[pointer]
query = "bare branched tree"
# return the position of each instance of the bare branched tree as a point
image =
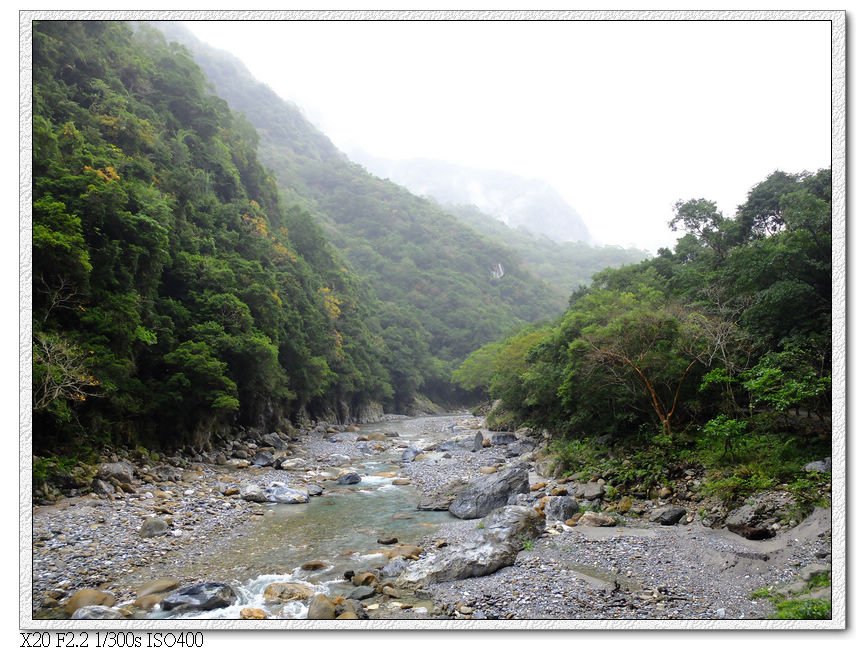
(61, 371)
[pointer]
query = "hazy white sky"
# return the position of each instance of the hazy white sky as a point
(623, 118)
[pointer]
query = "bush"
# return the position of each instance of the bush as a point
(807, 609)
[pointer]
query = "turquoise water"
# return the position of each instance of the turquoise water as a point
(339, 528)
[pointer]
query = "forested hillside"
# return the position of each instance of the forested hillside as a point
(519, 202)
(443, 284)
(174, 294)
(715, 354)
(565, 266)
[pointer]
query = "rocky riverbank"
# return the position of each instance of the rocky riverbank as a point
(518, 544)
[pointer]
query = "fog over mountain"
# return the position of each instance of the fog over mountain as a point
(517, 201)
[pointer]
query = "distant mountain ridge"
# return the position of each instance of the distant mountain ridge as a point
(515, 200)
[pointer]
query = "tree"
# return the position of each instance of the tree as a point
(650, 347)
(61, 375)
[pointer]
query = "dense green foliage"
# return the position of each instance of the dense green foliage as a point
(174, 295)
(435, 277)
(716, 353)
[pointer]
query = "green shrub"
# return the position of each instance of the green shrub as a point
(807, 609)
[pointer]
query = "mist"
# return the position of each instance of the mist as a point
(622, 119)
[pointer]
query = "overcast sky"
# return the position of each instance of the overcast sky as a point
(622, 118)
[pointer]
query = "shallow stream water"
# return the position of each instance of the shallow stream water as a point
(339, 528)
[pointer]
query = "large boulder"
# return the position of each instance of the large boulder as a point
(97, 613)
(756, 518)
(273, 440)
(520, 447)
(321, 608)
(263, 459)
(201, 597)
(590, 491)
(86, 598)
(503, 438)
(122, 472)
(562, 508)
(153, 527)
(467, 443)
(441, 499)
(282, 592)
(667, 516)
(596, 519)
(492, 547)
(167, 473)
(824, 465)
(349, 479)
(281, 494)
(253, 492)
(485, 494)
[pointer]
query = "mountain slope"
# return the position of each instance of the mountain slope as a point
(174, 295)
(438, 278)
(519, 202)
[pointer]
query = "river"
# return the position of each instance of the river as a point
(339, 528)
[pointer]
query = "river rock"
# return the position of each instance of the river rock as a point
(292, 464)
(203, 597)
(87, 597)
(562, 508)
(460, 442)
(102, 487)
(282, 494)
(320, 608)
(824, 465)
(502, 438)
(590, 518)
(387, 541)
(314, 565)
(393, 568)
(167, 473)
(592, 490)
(478, 443)
(485, 494)
(273, 440)
(97, 613)
(253, 492)
(122, 472)
(314, 490)
(282, 592)
(352, 609)
(349, 479)
(442, 498)
(668, 516)
(548, 467)
(361, 593)
(760, 512)
(364, 579)
(405, 550)
(153, 526)
(485, 551)
(148, 602)
(410, 454)
(263, 459)
(520, 447)
(157, 586)
(253, 614)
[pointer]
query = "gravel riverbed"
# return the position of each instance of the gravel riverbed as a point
(634, 570)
